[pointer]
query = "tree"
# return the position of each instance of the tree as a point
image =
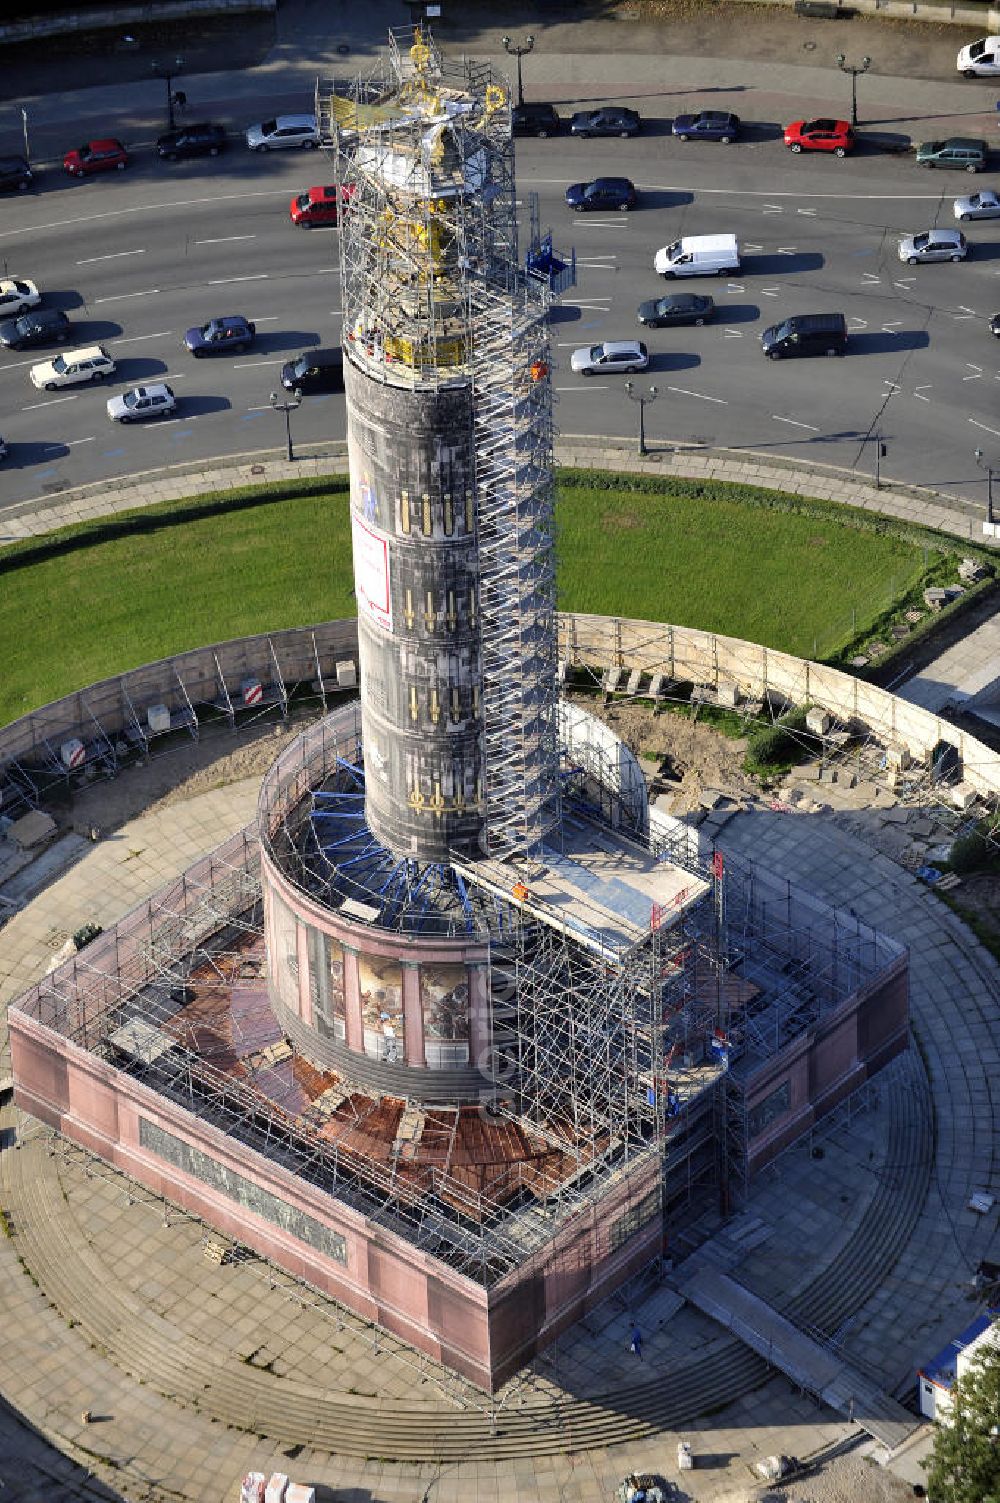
(964, 1466)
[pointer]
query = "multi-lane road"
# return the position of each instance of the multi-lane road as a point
(136, 257)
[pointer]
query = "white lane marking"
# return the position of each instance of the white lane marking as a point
(788, 250)
(119, 297)
(964, 312)
(918, 392)
(805, 211)
(52, 402)
(732, 333)
(248, 365)
(138, 338)
(892, 385)
(71, 443)
(736, 287)
(589, 307)
(225, 239)
(336, 313)
(869, 276)
(683, 391)
(594, 266)
(257, 276)
(890, 328)
(994, 431)
(779, 419)
(181, 203)
(555, 182)
(265, 408)
(268, 318)
(752, 248)
(587, 386)
(858, 323)
(770, 291)
(976, 370)
(773, 208)
(905, 284)
(114, 256)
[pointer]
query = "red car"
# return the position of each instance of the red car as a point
(318, 206)
(820, 135)
(96, 156)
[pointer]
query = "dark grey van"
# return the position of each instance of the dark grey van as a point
(806, 334)
(315, 370)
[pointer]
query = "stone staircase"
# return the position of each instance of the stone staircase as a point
(542, 1420)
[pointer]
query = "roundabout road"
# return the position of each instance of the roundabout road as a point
(138, 257)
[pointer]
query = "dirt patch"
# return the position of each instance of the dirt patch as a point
(685, 756)
(215, 760)
(621, 521)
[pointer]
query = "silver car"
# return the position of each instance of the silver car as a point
(283, 131)
(625, 355)
(142, 402)
(933, 245)
(982, 205)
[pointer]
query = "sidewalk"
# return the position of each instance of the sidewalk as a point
(758, 58)
(962, 519)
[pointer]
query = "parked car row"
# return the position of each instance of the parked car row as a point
(203, 138)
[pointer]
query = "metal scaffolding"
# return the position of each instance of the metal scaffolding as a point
(434, 295)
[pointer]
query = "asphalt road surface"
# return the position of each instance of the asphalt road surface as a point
(136, 257)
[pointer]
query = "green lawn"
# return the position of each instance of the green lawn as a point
(719, 563)
(106, 596)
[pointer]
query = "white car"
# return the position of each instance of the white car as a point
(980, 59)
(609, 358)
(142, 402)
(933, 245)
(284, 130)
(982, 205)
(17, 296)
(73, 368)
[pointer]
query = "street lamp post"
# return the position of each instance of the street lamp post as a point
(518, 50)
(984, 464)
(643, 399)
(288, 406)
(24, 126)
(168, 74)
(853, 70)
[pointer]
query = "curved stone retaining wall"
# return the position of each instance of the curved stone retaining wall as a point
(309, 655)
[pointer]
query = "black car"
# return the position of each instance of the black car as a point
(314, 370)
(202, 140)
(678, 308)
(221, 336)
(995, 325)
(40, 326)
(15, 175)
(534, 120)
(611, 121)
(707, 125)
(602, 193)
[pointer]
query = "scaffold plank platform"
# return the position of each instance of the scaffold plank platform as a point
(808, 1363)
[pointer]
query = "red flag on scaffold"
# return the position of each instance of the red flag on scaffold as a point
(717, 866)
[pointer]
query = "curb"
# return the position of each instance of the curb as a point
(958, 518)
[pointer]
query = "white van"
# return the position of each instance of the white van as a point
(980, 59)
(699, 256)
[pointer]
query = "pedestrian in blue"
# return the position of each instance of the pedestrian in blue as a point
(636, 1343)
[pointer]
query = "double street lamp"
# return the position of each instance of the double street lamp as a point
(643, 398)
(518, 50)
(168, 72)
(288, 406)
(853, 70)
